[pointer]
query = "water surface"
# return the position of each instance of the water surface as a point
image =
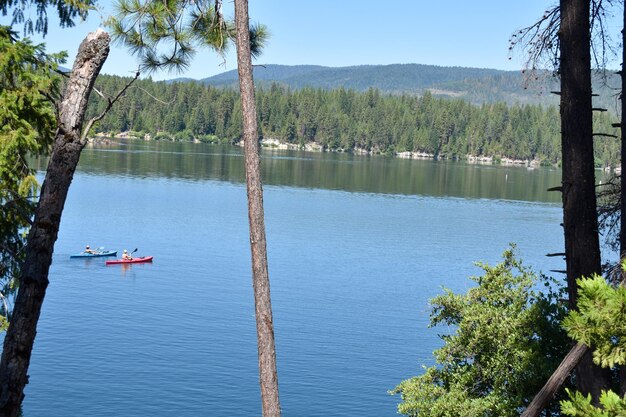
(357, 246)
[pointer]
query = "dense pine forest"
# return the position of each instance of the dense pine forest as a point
(347, 120)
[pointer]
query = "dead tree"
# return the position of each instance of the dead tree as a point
(580, 222)
(70, 138)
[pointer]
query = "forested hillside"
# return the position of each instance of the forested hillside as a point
(346, 119)
(476, 85)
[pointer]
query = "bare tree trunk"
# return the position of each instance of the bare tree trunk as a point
(20, 337)
(543, 397)
(582, 245)
(268, 375)
(622, 233)
(580, 218)
(580, 222)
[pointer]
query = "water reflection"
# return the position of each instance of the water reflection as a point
(355, 173)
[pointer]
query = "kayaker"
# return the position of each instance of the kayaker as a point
(126, 256)
(88, 250)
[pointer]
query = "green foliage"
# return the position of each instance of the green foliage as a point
(166, 34)
(600, 322)
(26, 113)
(27, 124)
(611, 405)
(507, 340)
(68, 11)
(348, 120)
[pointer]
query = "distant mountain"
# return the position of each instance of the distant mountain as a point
(180, 80)
(265, 73)
(476, 85)
(388, 78)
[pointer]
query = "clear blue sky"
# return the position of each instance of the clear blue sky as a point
(353, 32)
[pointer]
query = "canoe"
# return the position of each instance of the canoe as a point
(94, 255)
(130, 261)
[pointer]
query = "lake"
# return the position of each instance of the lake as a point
(357, 245)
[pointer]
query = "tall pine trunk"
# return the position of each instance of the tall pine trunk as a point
(622, 233)
(580, 218)
(268, 375)
(20, 337)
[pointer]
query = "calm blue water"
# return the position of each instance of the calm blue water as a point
(351, 274)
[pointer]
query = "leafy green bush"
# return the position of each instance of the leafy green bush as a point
(506, 343)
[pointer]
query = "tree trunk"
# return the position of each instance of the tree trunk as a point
(20, 337)
(543, 397)
(268, 376)
(580, 218)
(622, 233)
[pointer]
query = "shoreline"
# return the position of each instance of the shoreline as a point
(484, 160)
(416, 155)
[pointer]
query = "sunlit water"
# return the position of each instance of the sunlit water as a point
(356, 246)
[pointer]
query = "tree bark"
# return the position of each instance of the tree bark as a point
(268, 375)
(20, 337)
(580, 218)
(622, 233)
(546, 394)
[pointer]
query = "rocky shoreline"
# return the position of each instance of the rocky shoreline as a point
(315, 147)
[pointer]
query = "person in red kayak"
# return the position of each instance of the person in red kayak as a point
(88, 250)
(126, 256)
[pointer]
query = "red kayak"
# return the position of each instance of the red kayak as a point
(130, 261)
